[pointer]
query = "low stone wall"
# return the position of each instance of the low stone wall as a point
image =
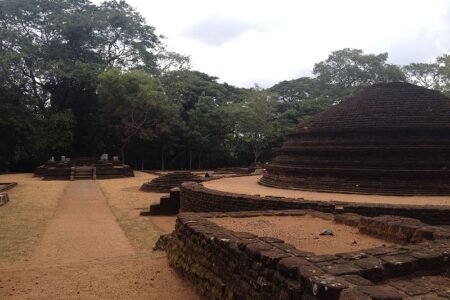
(394, 228)
(5, 186)
(197, 198)
(224, 264)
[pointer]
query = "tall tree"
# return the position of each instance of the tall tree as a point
(435, 75)
(351, 67)
(53, 51)
(256, 124)
(136, 105)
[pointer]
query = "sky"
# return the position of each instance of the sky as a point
(246, 42)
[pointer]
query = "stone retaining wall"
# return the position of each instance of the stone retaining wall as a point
(223, 264)
(196, 198)
(5, 186)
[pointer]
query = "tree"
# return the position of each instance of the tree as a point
(185, 88)
(444, 73)
(52, 52)
(423, 74)
(435, 75)
(255, 126)
(136, 105)
(207, 126)
(351, 67)
(300, 98)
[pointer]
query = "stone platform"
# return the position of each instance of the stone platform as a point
(83, 168)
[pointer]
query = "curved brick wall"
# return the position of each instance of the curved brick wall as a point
(391, 139)
(224, 264)
(197, 198)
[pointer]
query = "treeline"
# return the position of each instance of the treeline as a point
(79, 79)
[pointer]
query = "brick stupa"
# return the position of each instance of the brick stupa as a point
(391, 138)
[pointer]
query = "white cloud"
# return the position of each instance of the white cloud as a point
(243, 42)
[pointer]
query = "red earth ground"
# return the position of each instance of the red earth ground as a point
(84, 254)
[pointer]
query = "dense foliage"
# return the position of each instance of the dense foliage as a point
(79, 79)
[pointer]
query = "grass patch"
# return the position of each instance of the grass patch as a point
(24, 218)
(126, 202)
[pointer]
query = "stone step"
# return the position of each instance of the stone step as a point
(156, 209)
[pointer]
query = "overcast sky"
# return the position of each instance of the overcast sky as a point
(245, 42)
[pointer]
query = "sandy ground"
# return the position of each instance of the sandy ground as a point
(129, 277)
(24, 218)
(303, 232)
(85, 253)
(249, 185)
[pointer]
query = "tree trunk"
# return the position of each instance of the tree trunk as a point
(124, 145)
(122, 150)
(162, 158)
(199, 159)
(190, 159)
(142, 163)
(256, 154)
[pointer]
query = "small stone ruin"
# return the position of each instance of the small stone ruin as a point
(165, 183)
(83, 168)
(4, 198)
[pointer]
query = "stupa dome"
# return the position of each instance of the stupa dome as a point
(391, 138)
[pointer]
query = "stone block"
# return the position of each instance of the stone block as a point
(4, 198)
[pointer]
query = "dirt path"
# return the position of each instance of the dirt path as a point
(84, 254)
(83, 228)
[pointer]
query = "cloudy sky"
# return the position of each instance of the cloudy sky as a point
(245, 42)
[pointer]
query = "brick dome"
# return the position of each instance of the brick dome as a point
(391, 138)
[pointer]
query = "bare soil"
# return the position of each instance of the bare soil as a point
(249, 185)
(304, 233)
(85, 253)
(127, 277)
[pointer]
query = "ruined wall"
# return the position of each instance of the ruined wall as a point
(196, 198)
(223, 264)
